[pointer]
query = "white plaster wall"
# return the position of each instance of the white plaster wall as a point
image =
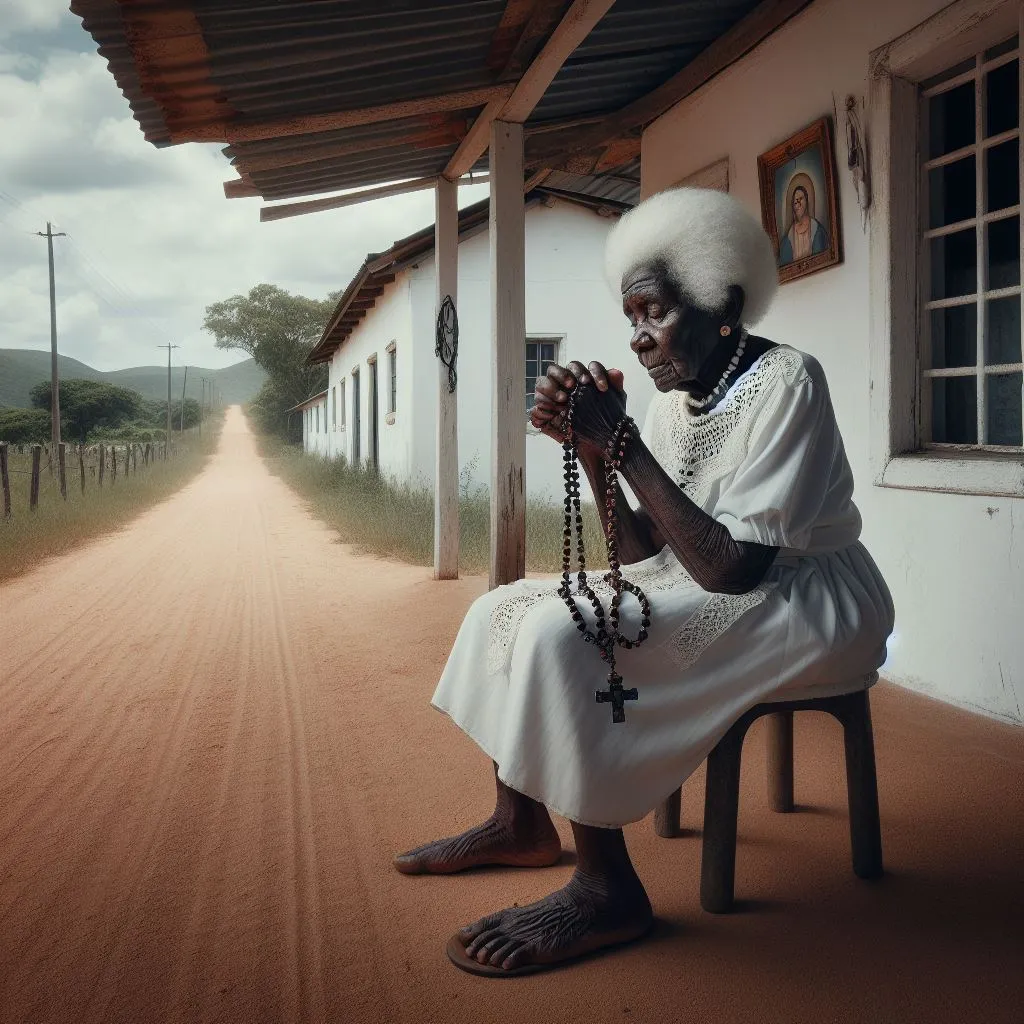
(955, 564)
(315, 441)
(389, 321)
(566, 296)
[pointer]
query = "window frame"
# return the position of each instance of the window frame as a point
(334, 407)
(341, 392)
(558, 340)
(392, 404)
(899, 459)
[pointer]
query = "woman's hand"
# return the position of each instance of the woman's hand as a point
(597, 413)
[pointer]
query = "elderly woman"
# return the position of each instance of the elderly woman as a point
(745, 541)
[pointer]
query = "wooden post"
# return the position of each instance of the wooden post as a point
(780, 761)
(103, 461)
(37, 458)
(49, 459)
(113, 464)
(508, 354)
(81, 465)
(62, 469)
(446, 478)
(5, 479)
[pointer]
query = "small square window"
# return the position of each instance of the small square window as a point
(540, 354)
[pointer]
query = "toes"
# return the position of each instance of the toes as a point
(481, 941)
(486, 951)
(503, 952)
(517, 958)
(471, 931)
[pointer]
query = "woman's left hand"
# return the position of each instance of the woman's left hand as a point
(598, 409)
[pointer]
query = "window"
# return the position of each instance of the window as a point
(334, 407)
(318, 419)
(947, 371)
(392, 379)
(540, 354)
(970, 350)
(341, 392)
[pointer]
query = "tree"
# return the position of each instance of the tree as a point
(24, 426)
(278, 330)
(88, 404)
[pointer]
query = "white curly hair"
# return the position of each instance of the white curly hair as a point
(706, 241)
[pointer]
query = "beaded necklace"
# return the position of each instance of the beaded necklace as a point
(605, 639)
(712, 396)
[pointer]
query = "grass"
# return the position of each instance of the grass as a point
(391, 520)
(57, 526)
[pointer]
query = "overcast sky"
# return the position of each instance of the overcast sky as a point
(152, 240)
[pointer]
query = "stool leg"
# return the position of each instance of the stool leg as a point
(721, 808)
(861, 785)
(666, 816)
(780, 761)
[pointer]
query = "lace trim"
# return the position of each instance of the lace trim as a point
(719, 614)
(698, 451)
(508, 615)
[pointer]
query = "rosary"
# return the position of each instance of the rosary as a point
(605, 639)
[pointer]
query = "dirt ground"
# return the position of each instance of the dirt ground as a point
(215, 733)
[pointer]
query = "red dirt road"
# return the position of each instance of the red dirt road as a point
(214, 734)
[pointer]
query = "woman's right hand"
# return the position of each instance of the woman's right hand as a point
(553, 389)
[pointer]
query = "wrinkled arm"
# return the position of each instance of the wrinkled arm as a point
(638, 538)
(703, 546)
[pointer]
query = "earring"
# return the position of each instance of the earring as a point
(725, 330)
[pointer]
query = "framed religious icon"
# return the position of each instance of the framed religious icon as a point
(799, 202)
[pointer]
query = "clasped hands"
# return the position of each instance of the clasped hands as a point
(597, 411)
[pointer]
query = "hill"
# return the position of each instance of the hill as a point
(22, 369)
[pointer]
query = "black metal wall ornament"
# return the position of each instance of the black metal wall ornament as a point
(446, 346)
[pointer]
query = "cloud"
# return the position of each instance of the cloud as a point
(152, 239)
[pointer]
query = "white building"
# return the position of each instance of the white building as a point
(380, 407)
(942, 508)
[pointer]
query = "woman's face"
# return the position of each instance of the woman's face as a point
(671, 337)
(799, 204)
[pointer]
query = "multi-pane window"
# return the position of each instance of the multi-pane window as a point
(318, 419)
(392, 379)
(972, 372)
(334, 407)
(540, 354)
(341, 394)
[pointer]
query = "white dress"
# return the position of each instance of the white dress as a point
(768, 463)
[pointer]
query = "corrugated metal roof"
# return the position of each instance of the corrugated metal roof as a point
(201, 69)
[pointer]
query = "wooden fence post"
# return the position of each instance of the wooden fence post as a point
(113, 464)
(103, 461)
(33, 494)
(5, 480)
(81, 464)
(62, 469)
(145, 455)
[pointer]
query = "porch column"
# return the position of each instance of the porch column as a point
(446, 466)
(508, 354)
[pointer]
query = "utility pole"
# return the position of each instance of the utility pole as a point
(54, 383)
(167, 439)
(181, 422)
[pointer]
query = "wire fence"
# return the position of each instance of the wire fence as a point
(35, 473)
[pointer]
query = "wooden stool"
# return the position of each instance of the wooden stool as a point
(722, 791)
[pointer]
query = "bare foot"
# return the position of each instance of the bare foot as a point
(589, 913)
(496, 841)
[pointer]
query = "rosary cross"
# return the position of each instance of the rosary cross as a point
(616, 695)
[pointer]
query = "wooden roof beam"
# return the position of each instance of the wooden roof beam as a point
(234, 132)
(268, 213)
(574, 27)
(744, 36)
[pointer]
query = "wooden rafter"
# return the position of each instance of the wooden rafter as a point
(746, 34)
(255, 131)
(574, 27)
